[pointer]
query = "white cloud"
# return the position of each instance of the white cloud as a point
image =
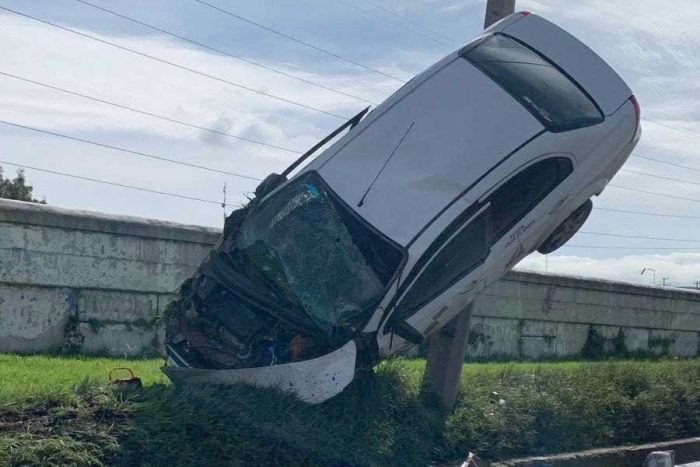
(95, 69)
(680, 269)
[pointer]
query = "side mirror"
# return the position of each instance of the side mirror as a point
(407, 332)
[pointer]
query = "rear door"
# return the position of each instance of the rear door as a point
(480, 250)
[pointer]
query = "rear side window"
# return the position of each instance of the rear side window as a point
(543, 89)
(519, 195)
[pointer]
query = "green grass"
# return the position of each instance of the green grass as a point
(32, 375)
(504, 410)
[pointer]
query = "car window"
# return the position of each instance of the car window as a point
(515, 198)
(542, 88)
(469, 248)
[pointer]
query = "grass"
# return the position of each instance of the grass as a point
(504, 410)
(31, 375)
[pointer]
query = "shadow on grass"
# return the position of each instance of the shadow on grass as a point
(376, 421)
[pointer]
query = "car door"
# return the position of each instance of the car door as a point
(515, 206)
(454, 270)
(480, 251)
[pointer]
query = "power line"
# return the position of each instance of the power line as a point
(690, 133)
(666, 162)
(400, 26)
(677, 216)
(659, 176)
(204, 46)
(654, 193)
(298, 41)
(129, 151)
(626, 247)
(173, 64)
(411, 22)
(105, 182)
(639, 237)
(143, 112)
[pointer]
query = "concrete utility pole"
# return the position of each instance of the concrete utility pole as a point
(498, 9)
(447, 349)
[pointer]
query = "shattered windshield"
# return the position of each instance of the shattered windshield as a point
(316, 252)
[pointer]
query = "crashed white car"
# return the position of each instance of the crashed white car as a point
(486, 156)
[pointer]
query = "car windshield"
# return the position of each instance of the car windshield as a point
(311, 248)
(543, 89)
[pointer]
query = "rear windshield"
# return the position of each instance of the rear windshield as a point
(537, 84)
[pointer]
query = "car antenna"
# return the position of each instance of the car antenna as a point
(350, 123)
(362, 200)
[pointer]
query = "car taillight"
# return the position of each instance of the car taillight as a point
(637, 114)
(525, 13)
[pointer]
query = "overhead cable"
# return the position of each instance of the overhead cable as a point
(400, 26)
(665, 162)
(643, 213)
(228, 54)
(129, 151)
(176, 65)
(143, 112)
(627, 247)
(298, 41)
(654, 193)
(656, 122)
(105, 182)
(660, 177)
(432, 31)
(638, 237)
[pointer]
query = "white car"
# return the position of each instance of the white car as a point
(486, 156)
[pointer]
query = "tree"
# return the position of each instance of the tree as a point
(17, 188)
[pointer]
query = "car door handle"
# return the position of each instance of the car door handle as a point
(472, 285)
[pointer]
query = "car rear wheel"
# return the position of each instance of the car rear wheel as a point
(566, 229)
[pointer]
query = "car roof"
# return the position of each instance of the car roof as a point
(430, 142)
(419, 151)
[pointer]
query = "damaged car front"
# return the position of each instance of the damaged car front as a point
(283, 297)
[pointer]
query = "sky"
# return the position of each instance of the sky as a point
(655, 50)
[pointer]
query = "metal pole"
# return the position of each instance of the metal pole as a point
(447, 349)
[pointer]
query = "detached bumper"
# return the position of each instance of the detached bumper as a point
(313, 381)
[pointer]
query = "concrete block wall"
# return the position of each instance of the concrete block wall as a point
(536, 315)
(90, 279)
(99, 281)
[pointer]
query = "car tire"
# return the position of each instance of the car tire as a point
(566, 229)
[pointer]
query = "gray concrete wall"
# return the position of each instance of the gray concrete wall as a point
(89, 279)
(539, 315)
(99, 281)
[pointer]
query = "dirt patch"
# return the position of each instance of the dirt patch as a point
(81, 430)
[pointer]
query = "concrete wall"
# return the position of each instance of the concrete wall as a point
(89, 279)
(98, 281)
(539, 315)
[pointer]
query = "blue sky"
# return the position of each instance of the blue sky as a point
(655, 50)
